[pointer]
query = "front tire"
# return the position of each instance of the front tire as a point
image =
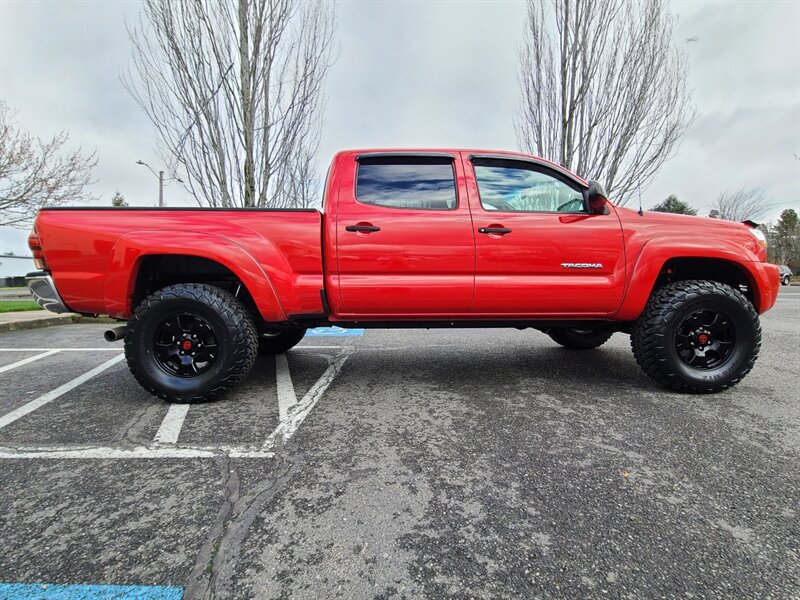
(190, 342)
(580, 339)
(697, 337)
(785, 280)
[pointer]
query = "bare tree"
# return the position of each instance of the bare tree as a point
(606, 95)
(742, 204)
(234, 89)
(35, 173)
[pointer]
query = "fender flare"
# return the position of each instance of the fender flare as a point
(129, 250)
(656, 252)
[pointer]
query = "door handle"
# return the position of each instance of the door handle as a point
(362, 228)
(495, 230)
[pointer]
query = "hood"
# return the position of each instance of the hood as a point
(673, 220)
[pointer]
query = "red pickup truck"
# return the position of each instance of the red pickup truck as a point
(412, 238)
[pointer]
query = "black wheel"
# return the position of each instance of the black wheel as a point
(785, 280)
(190, 342)
(280, 341)
(697, 336)
(580, 339)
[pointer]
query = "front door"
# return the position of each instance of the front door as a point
(404, 237)
(539, 252)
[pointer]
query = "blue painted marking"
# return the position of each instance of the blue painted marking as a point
(52, 591)
(333, 332)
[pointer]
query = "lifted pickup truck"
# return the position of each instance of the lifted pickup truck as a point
(412, 238)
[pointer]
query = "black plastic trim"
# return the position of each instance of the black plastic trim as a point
(362, 228)
(406, 154)
(473, 324)
(326, 311)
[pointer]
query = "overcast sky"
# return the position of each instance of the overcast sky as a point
(421, 74)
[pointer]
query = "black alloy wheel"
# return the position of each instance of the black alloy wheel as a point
(697, 336)
(190, 342)
(184, 344)
(705, 339)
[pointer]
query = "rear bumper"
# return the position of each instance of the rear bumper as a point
(44, 292)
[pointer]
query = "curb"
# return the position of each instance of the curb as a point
(65, 319)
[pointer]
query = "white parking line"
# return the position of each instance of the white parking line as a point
(318, 347)
(170, 428)
(283, 381)
(25, 361)
(298, 413)
(107, 452)
(165, 443)
(118, 348)
(31, 406)
(104, 349)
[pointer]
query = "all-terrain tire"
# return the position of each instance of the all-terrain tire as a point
(280, 342)
(580, 339)
(220, 315)
(660, 329)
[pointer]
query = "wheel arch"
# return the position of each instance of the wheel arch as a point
(143, 262)
(712, 269)
(659, 264)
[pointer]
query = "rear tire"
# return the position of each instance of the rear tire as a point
(280, 342)
(697, 337)
(190, 342)
(580, 339)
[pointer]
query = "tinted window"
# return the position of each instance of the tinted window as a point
(400, 182)
(518, 187)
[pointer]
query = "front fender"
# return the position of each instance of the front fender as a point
(129, 250)
(656, 252)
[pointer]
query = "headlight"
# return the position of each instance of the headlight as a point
(759, 235)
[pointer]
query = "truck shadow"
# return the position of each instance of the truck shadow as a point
(494, 367)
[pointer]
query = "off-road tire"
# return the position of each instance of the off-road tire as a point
(232, 326)
(580, 339)
(653, 336)
(280, 342)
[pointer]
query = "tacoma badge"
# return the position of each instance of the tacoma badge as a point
(582, 265)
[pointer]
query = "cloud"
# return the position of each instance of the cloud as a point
(424, 74)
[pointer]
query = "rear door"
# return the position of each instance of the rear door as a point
(405, 244)
(538, 250)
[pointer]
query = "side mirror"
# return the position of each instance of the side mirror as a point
(596, 198)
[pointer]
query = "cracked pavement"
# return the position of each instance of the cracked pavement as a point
(469, 463)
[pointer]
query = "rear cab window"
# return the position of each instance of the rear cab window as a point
(407, 182)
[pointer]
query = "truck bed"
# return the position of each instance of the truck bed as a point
(93, 252)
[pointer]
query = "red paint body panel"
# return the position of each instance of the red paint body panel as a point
(94, 254)
(420, 262)
(422, 265)
(651, 240)
(521, 273)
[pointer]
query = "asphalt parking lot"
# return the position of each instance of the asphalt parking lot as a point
(467, 463)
